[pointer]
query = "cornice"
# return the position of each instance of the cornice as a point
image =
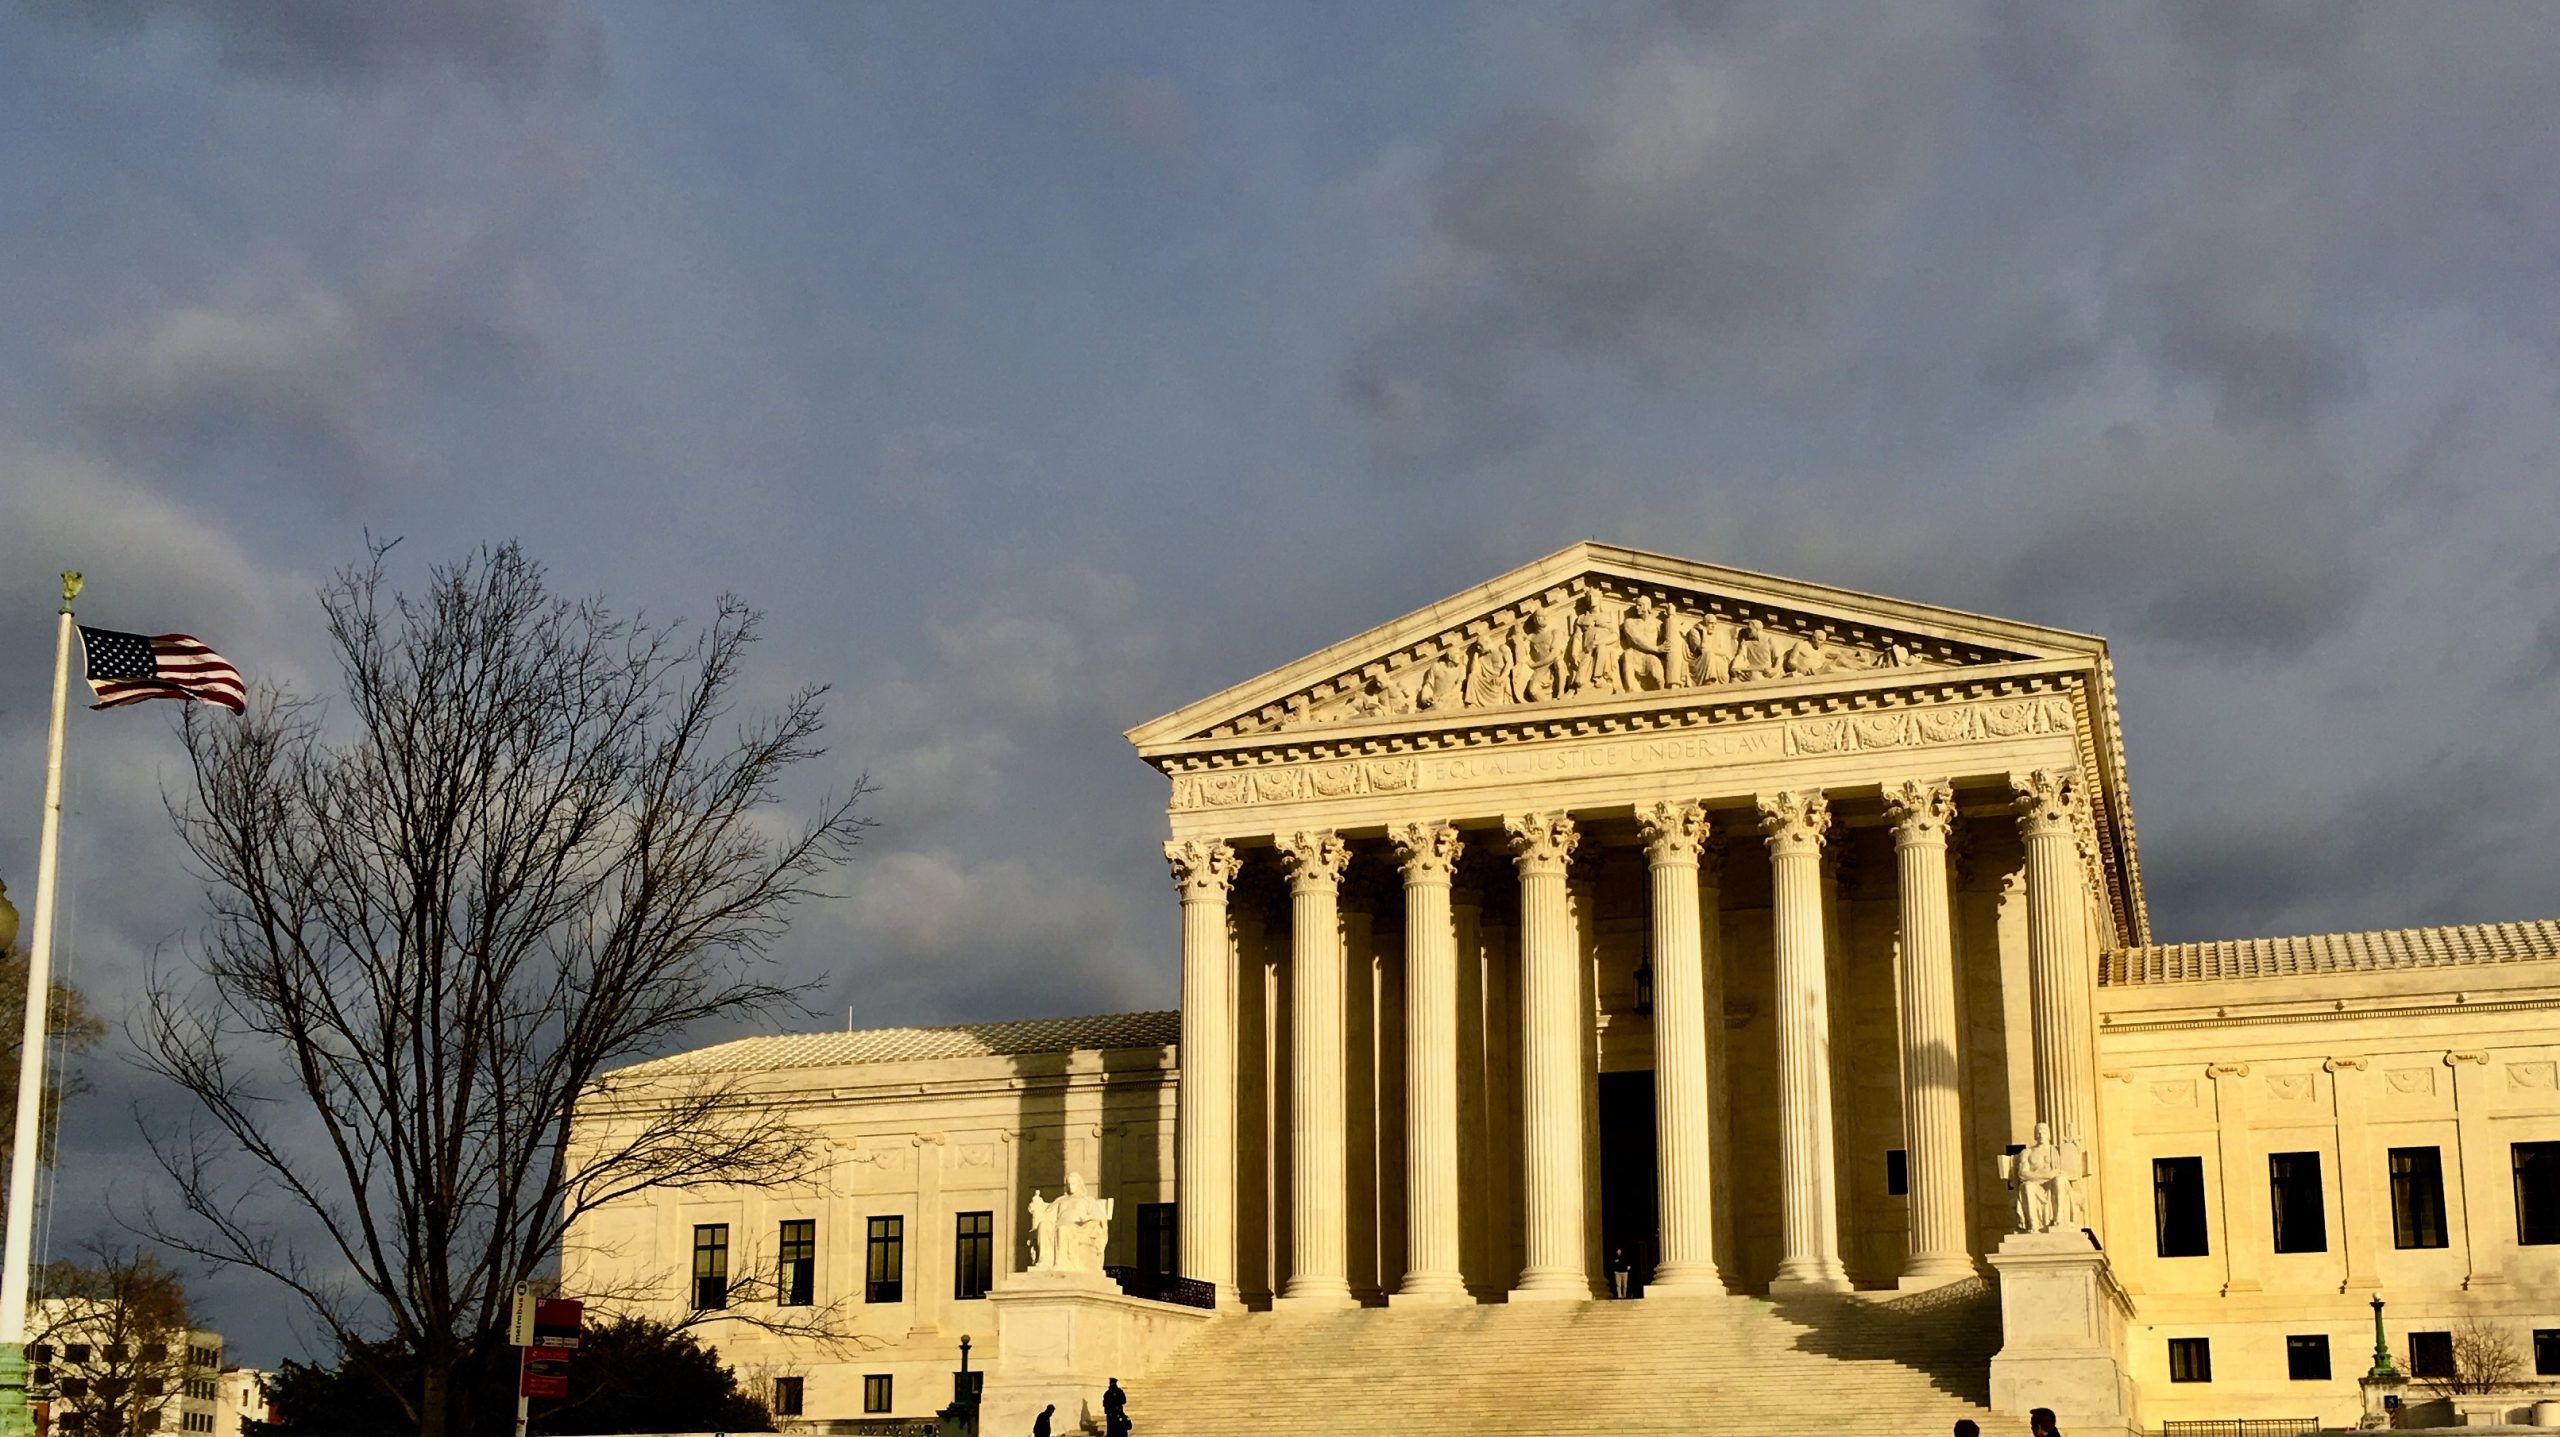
(2333, 1011)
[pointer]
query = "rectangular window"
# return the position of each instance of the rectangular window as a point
(2293, 1186)
(875, 1392)
(786, 1397)
(39, 1352)
(1897, 1172)
(2537, 1193)
(1158, 1253)
(155, 1352)
(2417, 1198)
(710, 1266)
(885, 1264)
(2306, 1359)
(796, 1285)
(2177, 1204)
(75, 1352)
(973, 1255)
(2190, 1359)
(2546, 1352)
(2431, 1353)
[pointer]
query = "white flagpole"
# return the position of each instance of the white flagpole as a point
(20, 1252)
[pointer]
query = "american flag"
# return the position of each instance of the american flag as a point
(128, 668)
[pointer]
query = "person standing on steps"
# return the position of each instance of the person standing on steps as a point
(1619, 1271)
(1040, 1424)
(1115, 1410)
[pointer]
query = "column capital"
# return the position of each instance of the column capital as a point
(1426, 851)
(1921, 809)
(1675, 831)
(1201, 868)
(1795, 820)
(2049, 802)
(1315, 860)
(1540, 842)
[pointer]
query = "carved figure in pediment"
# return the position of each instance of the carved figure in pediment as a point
(1708, 651)
(1443, 685)
(1594, 666)
(1489, 671)
(1757, 654)
(1644, 647)
(1538, 660)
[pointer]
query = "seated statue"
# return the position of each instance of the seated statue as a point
(1070, 1230)
(2044, 1179)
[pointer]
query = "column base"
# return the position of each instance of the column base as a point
(1334, 1296)
(1559, 1285)
(1439, 1289)
(1686, 1279)
(1935, 1272)
(1812, 1283)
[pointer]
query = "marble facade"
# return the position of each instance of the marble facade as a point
(1624, 902)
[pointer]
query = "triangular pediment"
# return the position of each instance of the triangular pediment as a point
(1594, 624)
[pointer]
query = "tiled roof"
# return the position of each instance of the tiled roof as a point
(2335, 953)
(908, 1045)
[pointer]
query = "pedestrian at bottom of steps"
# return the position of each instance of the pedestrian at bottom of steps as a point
(2040, 1422)
(1619, 1271)
(1967, 1427)
(1040, 1424)
(1115, 1410)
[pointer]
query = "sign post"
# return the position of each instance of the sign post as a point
(544, 1331)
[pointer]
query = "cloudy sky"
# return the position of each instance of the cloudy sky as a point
(1042, 367)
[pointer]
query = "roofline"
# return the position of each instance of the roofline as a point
(1567, 562)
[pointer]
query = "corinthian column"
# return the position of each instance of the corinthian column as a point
(1428, 851)
(1932, 1108)
(1556, 1267)
(2051, 810)
(1204, 1144)
(1673, 834)
(1810, 1221)
(1318, 1138)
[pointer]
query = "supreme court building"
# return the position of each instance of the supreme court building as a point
(1633, 913)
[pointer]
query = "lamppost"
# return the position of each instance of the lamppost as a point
(2381, 1346)
(2383, 1384)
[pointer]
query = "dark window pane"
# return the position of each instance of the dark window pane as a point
(974, 1255)
(786, 1397)
(710, 1266)
(2190, 1359)
(885, 1261)
(1897, 1172)
(2417, 1198)
(2302, 1220)
(2306, 1359)
(2177, 1200)
(1159, 1254)
(2431, 1353)
(2537, 1193)
(875, 1392)
(797, 1282)
(2546, 1351)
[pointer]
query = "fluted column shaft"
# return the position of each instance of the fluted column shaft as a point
(1555, 1263)
(1319, 1187)
(1427, 853)
(1204, 1144)
(1796, 824)
(1673, 835)
(1932, 1106)
(2051, 812)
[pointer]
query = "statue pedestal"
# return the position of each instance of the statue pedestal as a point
(1060, 1337)
(2062, 1327)
(2380, 1390)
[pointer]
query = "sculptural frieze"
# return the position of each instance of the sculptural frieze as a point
(1585, 640)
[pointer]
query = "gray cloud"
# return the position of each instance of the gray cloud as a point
(512, 46)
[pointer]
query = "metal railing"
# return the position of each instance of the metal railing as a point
(1164, 1287)
(2243, 1427)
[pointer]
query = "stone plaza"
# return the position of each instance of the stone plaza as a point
(1775, 951)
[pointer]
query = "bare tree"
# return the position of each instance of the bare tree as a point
(2485, 1359)
(111, 1336)
(71, 1026)
(538, 850)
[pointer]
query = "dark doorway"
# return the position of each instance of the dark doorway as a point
(1627, 1218)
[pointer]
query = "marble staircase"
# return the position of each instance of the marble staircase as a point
(1901, 1367)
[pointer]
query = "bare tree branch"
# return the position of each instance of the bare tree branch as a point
(537, 847)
